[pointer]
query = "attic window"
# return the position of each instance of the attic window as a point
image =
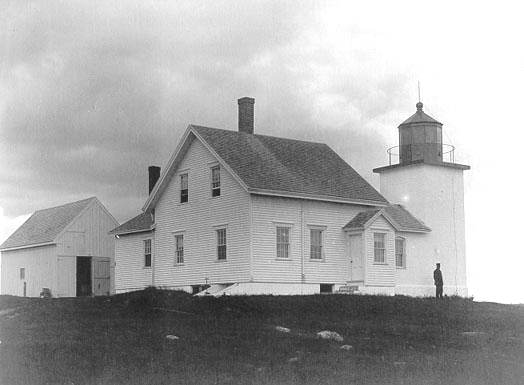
(184, 192)
(215, 181)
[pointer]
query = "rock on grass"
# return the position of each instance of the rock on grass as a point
(329, 335)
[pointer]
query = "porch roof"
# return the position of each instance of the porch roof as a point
(399, 217)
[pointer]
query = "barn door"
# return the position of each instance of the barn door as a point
(101, 276)
(83, 277)
(66, 276)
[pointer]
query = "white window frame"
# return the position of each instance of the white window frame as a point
(145, 242)
(181, 176)
(378, 261)
(403, 265)
(322, 230)
(179, 252)
(289, 230)
(219, 229)
(216, 185)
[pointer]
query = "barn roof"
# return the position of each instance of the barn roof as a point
(142, 222)
(396, 214)
(278, 166)
(44, 226)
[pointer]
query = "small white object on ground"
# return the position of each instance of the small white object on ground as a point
(346, 347)
(294, 359)
(473, 334)
(6, 311)
(282, 329)
(329, 335)
(172, 337)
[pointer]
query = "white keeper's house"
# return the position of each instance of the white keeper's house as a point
(65, 251)
(234, 212)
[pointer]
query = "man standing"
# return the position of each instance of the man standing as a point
(439, 283)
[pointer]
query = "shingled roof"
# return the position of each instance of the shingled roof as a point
(267, 164)
(142, 222)
(398, 215)
(45, 225)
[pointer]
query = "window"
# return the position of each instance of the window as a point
(184, 192)
(22, 273)
(179, 249)
(316, 243)
(282, 242)
(221, 245)
(215, 181)
(380, 248)
(147, 253)
(400, 252)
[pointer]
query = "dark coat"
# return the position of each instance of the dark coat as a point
(437, 276)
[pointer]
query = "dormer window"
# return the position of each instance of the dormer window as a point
(215, 181)
(184, 191)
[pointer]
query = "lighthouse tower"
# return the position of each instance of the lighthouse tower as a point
(423, 176)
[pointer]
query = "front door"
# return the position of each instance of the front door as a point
(355, 257)
(83, 277)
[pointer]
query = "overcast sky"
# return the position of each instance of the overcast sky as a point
(92, 93)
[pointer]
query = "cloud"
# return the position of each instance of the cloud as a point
(91, 93)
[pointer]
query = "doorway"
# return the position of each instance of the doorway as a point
(83, 277)
(356, 267)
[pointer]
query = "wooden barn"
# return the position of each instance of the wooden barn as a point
(64, 251)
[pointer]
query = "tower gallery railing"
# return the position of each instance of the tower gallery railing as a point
(440, 151)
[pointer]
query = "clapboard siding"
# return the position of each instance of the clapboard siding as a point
(197, 220)
(130, 273)
(380, 274)
(40, 270)
(88, 234)
(268, 212)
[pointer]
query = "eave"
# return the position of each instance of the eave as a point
(29, 246)
(132, 231)
(457, 166)
(324, 198)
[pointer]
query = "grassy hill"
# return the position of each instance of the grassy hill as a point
(166, 337)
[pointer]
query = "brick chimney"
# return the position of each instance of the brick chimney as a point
(246, 115)
(154, 174)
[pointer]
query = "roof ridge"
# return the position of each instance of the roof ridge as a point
(65, 204)
(261, 135)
